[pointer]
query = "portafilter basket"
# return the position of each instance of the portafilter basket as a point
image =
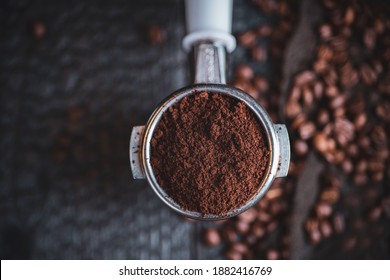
(209, 49)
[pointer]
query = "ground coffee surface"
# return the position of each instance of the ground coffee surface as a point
(209, 153)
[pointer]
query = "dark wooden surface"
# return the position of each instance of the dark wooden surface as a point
(68, 102)
(66, 188)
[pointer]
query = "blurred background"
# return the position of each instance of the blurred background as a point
(76, 76)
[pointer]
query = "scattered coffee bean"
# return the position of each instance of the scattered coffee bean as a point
(212, 237)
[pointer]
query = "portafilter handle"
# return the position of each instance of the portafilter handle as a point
(209, 25)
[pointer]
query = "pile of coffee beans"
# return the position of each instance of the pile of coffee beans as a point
(338, 107)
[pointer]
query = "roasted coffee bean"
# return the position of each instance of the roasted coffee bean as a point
(300, 147)
(325, 228)
(261, 84)
(258, 230)
(264, 30)
(321, 142)
(360, 179)
(326, 31)
(330, 195)
(233, 255)
(324, 52)
(39, 29)
(272, 254)
(247, 39)
(306, 130)
(248, 216)
(239, 247)
(385, 204)
(347, 166)
(349, 243)
(382, 111)
(274, 193)
(308, 96)
(259, 54)
(271, 227)
(229, 234)
(292, 109)
(304, 78)
(369, 38)
(323, 210)
(375, 213)
(338, 223)
(212, 237)
(315, 236)
(242, 227)
(244, 72)
(156, 35)
(360, 121)
(368, 74)
(349, 15)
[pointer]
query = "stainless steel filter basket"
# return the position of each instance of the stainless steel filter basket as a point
(277, 137)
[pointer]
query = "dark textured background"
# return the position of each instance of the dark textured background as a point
(68, 102)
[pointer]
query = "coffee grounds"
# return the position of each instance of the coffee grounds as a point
(209, 153)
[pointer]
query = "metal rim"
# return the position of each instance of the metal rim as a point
(263, 117)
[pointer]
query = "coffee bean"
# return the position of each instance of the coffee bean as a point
(321, 142)
(360, 179)
(323, 210)
(259, 54)
(156, 34)
(272, 254)
(242, 227)
(39, 29)
(349, 243)
(229, 234)
(320, 66)
(325, 31)
(324, 52)
(375, 214)
(330, 195)
(247, 39)
(258, 230)
(369, 38)
(322, 117)
(233, 255)
(360, 121)
(212, 237)
(244, 72)
(368, 74)
(248, 216)
(325, 228)
(239, 247)
(304, 78)
(315, 236)
(347, 166)
(292, 109)
(382, 111)
(308, 96)
(271, 227)
(300, 147)
(385, 204)
(338, 223)
(332, 91)
(264, 30)
(263, 217)
(349, 16)
(306, 130)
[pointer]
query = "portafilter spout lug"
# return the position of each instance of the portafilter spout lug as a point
(137, 134)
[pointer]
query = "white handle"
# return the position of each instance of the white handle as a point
(209, 20)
